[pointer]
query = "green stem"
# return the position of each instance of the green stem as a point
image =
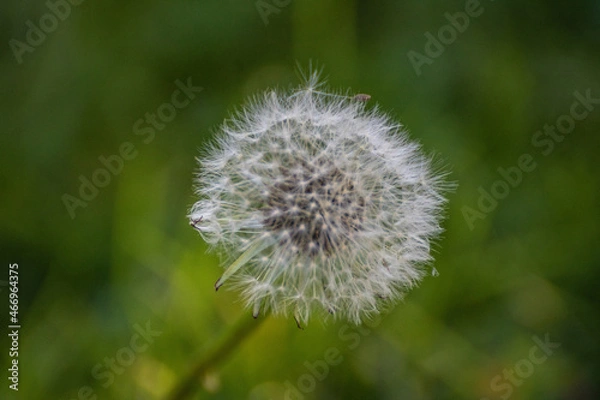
(242, 329)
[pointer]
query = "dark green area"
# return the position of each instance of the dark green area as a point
(526, 267)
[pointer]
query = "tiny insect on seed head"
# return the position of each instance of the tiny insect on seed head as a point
(195, 221)
(362, 97)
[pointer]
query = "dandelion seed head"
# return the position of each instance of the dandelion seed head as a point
(343, 205)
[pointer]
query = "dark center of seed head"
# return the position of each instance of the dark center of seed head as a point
(314, 208)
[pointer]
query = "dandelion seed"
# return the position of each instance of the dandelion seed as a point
(318, 205)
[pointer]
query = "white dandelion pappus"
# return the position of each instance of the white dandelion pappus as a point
(317, 204)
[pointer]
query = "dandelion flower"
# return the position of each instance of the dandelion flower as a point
(317, 204)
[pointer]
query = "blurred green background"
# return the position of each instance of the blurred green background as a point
(128, 260)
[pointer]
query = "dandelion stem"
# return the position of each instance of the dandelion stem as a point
(232, 339)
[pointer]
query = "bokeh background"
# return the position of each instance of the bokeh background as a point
(128, 260)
